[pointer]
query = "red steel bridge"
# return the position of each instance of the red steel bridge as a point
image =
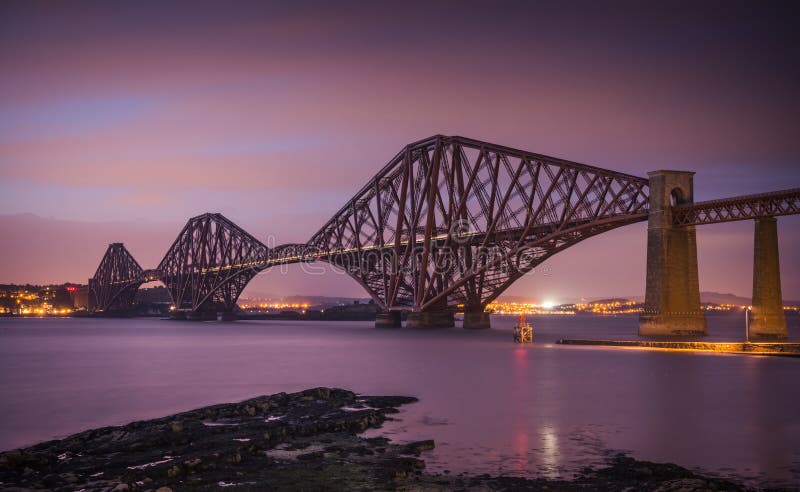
(448, 225)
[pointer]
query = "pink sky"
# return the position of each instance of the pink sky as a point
(118, 122)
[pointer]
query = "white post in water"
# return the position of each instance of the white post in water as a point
(747, 324)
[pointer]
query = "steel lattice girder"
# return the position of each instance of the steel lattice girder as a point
(116, 280)
(448, 221)
(455, 221)
(210, 263)
(786, 202)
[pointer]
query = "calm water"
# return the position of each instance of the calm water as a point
(491, 406)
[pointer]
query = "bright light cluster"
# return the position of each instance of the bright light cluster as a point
(37, 302)
(273, 305)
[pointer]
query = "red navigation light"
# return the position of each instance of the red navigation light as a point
(72, 288)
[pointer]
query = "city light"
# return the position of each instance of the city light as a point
(37, 301)
(255, 304)
(610, 307)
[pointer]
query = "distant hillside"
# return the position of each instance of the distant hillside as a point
(326, 299)
(714, 297)
(611, 300)
(718, 298)
(312, 300)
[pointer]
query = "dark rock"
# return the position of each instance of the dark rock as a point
(418, 447)
(316, 455)
(259, 444)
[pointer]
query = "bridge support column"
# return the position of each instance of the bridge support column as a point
(430, 319)
(387, 319)
(201, 316)
(178, 315)
(228, 316)
(476, 319)
(672, 297)
(767, 319)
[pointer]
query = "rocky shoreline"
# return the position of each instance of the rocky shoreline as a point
(301, 441)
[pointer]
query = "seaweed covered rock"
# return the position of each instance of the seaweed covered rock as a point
(300, 441)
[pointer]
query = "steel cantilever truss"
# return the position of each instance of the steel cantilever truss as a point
(116, 280)
(452, 221)
(210, 263)
(449, 222)
(785, 202)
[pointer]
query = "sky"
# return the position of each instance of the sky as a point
(119, 121)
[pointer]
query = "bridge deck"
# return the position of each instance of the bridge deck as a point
(784, 202)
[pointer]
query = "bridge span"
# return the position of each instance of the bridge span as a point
(450, 223)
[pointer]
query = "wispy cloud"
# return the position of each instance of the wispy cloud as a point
(71, 117)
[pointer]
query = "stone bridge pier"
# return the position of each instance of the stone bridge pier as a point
(767, 319)
(434, 318)
(388, 319)
(672, 295)
(438, 315)
(476, 318)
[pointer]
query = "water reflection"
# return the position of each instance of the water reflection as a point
(520, 384)
(491, 406)
(550, 452)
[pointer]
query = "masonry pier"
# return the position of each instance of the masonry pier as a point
(767, 319)
(201, 315)
(672, 296)
(430, 319)
(476, 319)
(387, 319)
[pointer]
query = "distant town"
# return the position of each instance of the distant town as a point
(603, 307)
(72, 300)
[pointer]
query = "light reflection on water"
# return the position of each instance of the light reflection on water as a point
(491, 406)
